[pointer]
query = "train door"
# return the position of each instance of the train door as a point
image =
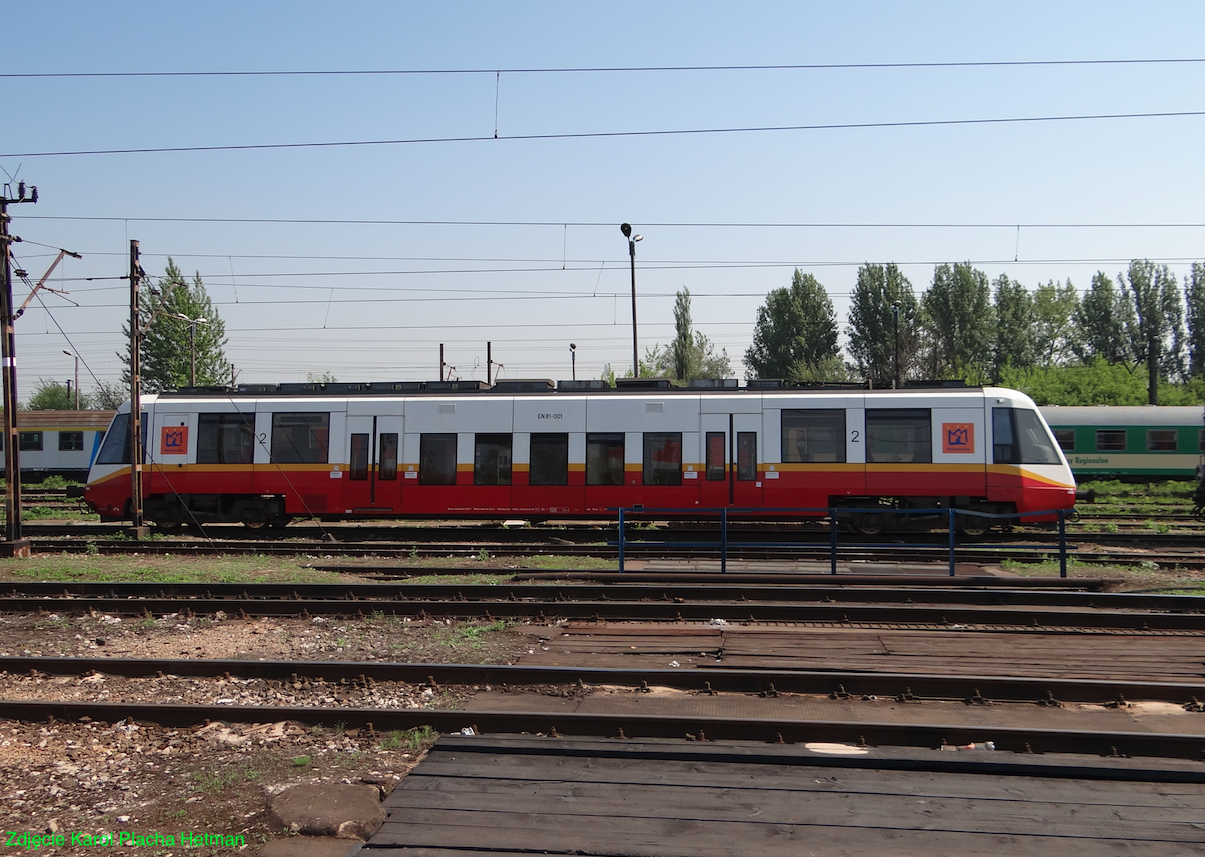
(730, 474)
(372, 483)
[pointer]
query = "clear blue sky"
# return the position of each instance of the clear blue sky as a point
(516, 241)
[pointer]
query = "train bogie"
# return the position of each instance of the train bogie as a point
(262, 459)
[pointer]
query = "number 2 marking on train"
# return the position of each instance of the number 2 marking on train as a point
(854, 432)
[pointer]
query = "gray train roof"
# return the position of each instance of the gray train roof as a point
(1107, 415)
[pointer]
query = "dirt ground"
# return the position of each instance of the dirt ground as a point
(97, 779)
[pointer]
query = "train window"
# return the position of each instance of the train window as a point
(1200, 440)
(1019, 437)
(358, 470)
(491, 459)
(604, 458)
(549, 459)
(31, 441)
(1160, 440)
(1036, 447)
(813, 435)
(387, 468)
(715, 456)
(116, 447)
(746, 456)
(663, 458)
(899, 435)
(437, 459)
(300, 438)
(1066, 439)
(1110, 440)
(225, 438)
(71, 441)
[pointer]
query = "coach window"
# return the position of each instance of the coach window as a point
(663, 458)
(30, 441)
(746, 456)
(491, 459)
(387, 468)
(1160, 440)
(300, 438)
(1200, 440)
(225, 438)
(604, 458)
(715, 456)
(358, 470)
(813, 436)
(437, 459)
(1110, 440)
(549, 459)
(1066, 439)
(1019, 437)
(899, 436)
(71, 441)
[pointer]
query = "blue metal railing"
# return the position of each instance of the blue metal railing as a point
(831, 512)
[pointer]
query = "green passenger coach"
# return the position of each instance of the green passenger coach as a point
(1130, 442)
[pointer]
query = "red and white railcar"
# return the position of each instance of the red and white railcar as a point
(264, 454)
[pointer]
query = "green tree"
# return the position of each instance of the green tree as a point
(1156, 329)
(53, 396)
(169, 345)
(872, 327)
(1014, 325)
(796, 328)
(1054, 332)
(109, 395)
(1194, 300)
(691, 355)
(958, 309)
(1097, 382)
(1100, 322)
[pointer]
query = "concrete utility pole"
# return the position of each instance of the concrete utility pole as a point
(14, 544)
(136, 275)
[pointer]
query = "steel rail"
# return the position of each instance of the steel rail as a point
(943, 616)
(619, 590)
(849, 553)
(710, 728)
(913, 687)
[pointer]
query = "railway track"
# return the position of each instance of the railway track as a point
(1024, 611)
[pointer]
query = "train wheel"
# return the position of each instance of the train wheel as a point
(870, 524)
(970, 525)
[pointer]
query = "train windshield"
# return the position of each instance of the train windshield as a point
(116, 448)
(1020, 437)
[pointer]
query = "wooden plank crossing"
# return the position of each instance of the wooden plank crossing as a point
(510, 795)
(1120, 657)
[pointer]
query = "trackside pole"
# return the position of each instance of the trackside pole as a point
(621, 541)
(724, 541)
(832, 539)
(1062, 543)
(951, 511)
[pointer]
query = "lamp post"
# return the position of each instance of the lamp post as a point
(192, 345)
(626, 229)
(573, 359)
(895, 312)
(76, 356)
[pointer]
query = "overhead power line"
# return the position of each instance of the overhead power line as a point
(609, 69)
(589, 135)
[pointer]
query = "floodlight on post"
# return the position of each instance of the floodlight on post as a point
(626, 229)
(76, 356)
